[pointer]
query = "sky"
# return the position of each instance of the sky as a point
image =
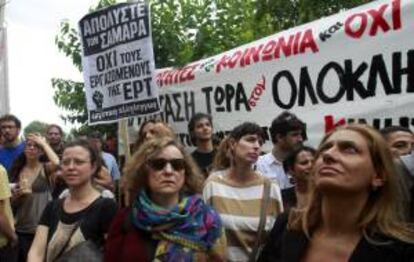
(33, 57)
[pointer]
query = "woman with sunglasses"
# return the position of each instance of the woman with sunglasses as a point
(353, 212)
(79, 222)
(167, 220)
(247, 202)
(32, 191)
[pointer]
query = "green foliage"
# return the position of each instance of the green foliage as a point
(189, 30)
(35, 127)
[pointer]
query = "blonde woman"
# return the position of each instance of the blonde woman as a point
(353, 210)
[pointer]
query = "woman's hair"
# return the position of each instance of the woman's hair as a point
(290, 160)
(17, 167)
(381, 214)
(54, 126)
(166, 131)
(19, 163)
(94, 155)
(223, 157)
(136, 170)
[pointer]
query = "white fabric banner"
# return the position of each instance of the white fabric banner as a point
(4, 85)
(118, 63)
(355, 66)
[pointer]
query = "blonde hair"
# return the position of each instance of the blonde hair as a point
(136, 171)
(162, 129)
(381, 213)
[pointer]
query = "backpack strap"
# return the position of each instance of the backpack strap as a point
(262, 221)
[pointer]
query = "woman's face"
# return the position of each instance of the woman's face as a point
(77, 168)
(166, 172)
(32, 150)
(303, 163)
(344, 164)
(247, 148)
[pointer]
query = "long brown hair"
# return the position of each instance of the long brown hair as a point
(381, 214)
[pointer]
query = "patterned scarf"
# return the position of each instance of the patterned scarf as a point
(189, 227)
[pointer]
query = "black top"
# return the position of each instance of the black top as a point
(204, 160)
(289, 198)
(95, 219)
(290, 246)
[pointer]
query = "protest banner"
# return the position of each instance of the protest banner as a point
(4, 90)
(355, 66)
(118, 63)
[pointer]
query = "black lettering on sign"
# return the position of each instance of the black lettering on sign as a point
(133, 90)
(320, 83)
(275, 85)
(349, 77)
(178, 107)
(226, 99)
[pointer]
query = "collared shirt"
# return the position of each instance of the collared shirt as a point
(272, 168)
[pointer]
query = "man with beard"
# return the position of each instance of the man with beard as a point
(287, 133)
(12, 147)
(54, 135)
(200, 129)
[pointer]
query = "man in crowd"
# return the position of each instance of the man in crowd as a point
(12, 147)
(400, 142)
(400, 139)
(8, 238)
(287, 133)
(200, 129)
(54, 136)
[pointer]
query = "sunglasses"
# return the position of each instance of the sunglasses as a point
(159, 164)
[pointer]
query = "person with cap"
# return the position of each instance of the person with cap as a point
(287, 133)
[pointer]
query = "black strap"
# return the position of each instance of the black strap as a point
(69, 238)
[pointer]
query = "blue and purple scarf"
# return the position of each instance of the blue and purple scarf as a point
(189, 227)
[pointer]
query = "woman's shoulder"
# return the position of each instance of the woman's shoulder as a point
(386, 249)
(216, 175)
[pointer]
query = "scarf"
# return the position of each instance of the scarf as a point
(189, 227)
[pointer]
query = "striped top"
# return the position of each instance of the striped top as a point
(239, 208)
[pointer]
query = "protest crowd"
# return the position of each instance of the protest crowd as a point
(253, 187)
(351, 199)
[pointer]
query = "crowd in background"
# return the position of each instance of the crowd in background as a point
(351, 199)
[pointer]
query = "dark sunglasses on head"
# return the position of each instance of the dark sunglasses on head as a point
(159, 164)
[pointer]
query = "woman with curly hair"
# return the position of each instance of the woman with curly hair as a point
(167, 220)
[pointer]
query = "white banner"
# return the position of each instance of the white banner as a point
(355, 66)
(118, 63)
(4, 85)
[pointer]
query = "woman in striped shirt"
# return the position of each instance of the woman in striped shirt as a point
(236, 191)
